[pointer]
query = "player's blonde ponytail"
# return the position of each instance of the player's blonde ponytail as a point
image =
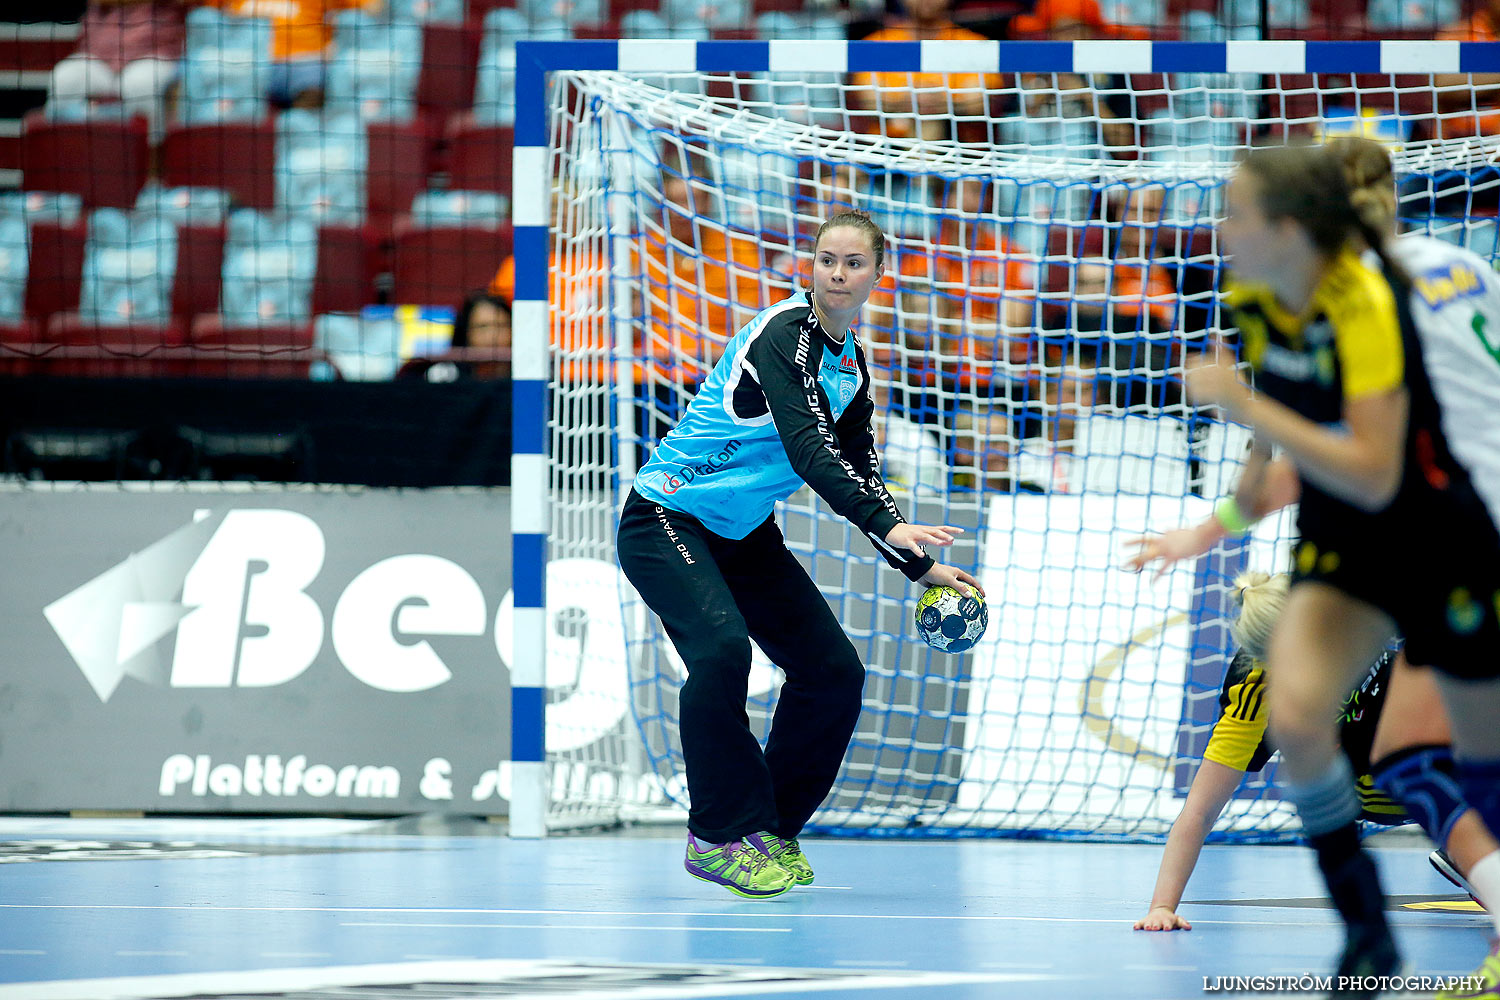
(1260, 597)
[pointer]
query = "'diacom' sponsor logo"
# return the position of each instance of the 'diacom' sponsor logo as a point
(684, 474)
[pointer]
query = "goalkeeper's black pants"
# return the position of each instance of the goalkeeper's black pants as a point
(713, 595)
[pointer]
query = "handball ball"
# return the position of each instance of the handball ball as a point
(949, 621)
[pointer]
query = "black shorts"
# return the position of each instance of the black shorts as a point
(1433, 567)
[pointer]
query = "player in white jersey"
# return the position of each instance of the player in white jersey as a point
(1455, 304)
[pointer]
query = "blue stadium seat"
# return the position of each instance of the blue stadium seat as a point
(714, 13)
(129, 264)
(649, 24)
(375, 70)
(539, 12)
(781, 24)
(1136, 12)
(321, 166)
(1280, 13)
(83, 111)
(15, 247)
(185, 206)
(1384, 14)
(432, 209)
(1203, 26)
(428, 11)
(225, 69)
(495, 83)
(364, 348)
(42, 206)
(270, 261)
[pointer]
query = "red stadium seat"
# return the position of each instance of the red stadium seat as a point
(347, 264)
(133, 339)
(56, 269)
(250, 352)
(239, 157)
(440, 266)
(397, 170)
(479, 155)
(450, 61)
(104, 162)
(21, 332)
(200, 264)
(210, 331)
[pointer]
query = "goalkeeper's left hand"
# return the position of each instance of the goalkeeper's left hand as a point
(951, 576)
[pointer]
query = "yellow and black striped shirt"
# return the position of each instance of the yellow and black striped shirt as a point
(1239, 739)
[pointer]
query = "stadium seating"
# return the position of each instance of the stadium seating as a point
(225, 69)
(129, 266)
(479, 155)
(450, 60)
(321, 165)
(440, 265)
(1411, 14)
(101, 161)
(432, 209)
(270, 260)
(239, 157)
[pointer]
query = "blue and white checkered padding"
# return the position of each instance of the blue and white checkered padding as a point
(655, 55)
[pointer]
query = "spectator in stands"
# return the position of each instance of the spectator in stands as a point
(991, 307)
(1114, 340)
(937, 97)
(1478, 93)
(478, 349)
(128, 51)
(714, 285)
(301, 40)
(1066, 96)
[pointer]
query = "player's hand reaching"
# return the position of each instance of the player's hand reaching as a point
(1171, 547)
(951, 576)
(1214, 381)
(913, 536)
(1162, 918)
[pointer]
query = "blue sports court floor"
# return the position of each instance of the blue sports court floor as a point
(318, 909)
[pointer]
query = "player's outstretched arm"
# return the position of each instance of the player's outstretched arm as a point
(1278, 488)
(1212, 787)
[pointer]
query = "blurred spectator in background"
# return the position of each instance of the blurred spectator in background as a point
(478, 349)
(1063, 96)
(938, 97)
(301, 43)
(991, 307)
(1478, 93)
(128, 51)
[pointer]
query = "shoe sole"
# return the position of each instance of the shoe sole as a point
(747, 894)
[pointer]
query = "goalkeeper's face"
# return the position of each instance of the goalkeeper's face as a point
(844, 269)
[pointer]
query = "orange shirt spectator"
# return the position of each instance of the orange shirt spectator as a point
(1454, 93)
(299, 28)
(928, 94)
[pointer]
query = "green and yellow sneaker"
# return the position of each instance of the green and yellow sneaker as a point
(1483, 983)
(786, 853)
(739, 866)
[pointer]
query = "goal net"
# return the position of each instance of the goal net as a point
(1052, 260)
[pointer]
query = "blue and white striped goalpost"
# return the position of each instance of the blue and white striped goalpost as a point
(532, 199)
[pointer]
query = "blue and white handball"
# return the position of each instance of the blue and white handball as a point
(949, 621)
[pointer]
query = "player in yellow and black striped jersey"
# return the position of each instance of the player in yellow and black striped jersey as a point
(1393, 535)
(1239, 739)
(1391, 728)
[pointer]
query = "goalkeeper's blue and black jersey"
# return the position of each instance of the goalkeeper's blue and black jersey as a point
(787, 404)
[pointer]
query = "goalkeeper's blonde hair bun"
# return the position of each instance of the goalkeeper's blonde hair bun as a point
(1260, 598)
